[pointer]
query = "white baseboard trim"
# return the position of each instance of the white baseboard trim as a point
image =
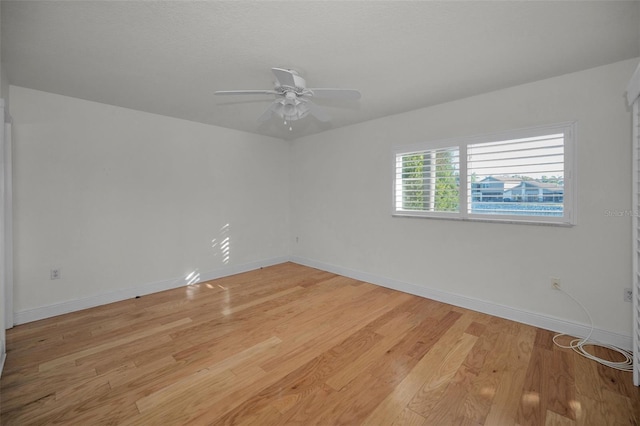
(29, 315)
(531, 318)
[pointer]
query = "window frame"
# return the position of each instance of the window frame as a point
(569, 217)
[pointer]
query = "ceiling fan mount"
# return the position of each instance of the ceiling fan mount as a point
(293, 98)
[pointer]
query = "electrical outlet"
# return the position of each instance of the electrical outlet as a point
(628, 295)
(55, 274)
(555, 283)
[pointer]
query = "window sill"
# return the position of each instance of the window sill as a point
(510, 220)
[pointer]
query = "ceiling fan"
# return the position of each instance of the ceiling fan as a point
(293, 97)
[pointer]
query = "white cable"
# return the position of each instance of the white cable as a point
(578, 344)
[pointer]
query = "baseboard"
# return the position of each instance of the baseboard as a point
(29, 315)
(531, 318)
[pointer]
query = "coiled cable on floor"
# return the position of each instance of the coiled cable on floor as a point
(578, 345)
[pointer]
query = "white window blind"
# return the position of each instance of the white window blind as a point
(428, 181)
(633, 97)
(636, 242)
(518, 176)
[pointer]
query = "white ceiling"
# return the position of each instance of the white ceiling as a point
(169, 57)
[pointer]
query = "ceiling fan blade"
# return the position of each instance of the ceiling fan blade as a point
(317, 112)
(246, 92)
(284, 77)
(268, 113)
(336, 93)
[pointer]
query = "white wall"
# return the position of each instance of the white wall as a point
(341, 204)
(4, 86)
(3, 93)
(120, 199)
(125, 201)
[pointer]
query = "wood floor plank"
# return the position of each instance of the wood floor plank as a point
(306, 378)
(19, 388)
(555, 419)
(209, 374)
(533, 405)
(341, 328)
(561, 389)
(343, 377)
(331, 401)
(130, 372)
(385, 376)
(620, 404)
(292, 345)
(444, 402)
(508, 393)
(544, 339)
(426, 400)
(300, 360)
(204, 392)
(409, 418)
(48, 365)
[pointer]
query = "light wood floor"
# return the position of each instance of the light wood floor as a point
(293, 345)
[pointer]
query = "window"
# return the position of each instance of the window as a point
(429, 181)
(519, 176)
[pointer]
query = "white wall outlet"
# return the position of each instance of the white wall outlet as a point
(555, 283)
(55, 274)
(628, 295)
